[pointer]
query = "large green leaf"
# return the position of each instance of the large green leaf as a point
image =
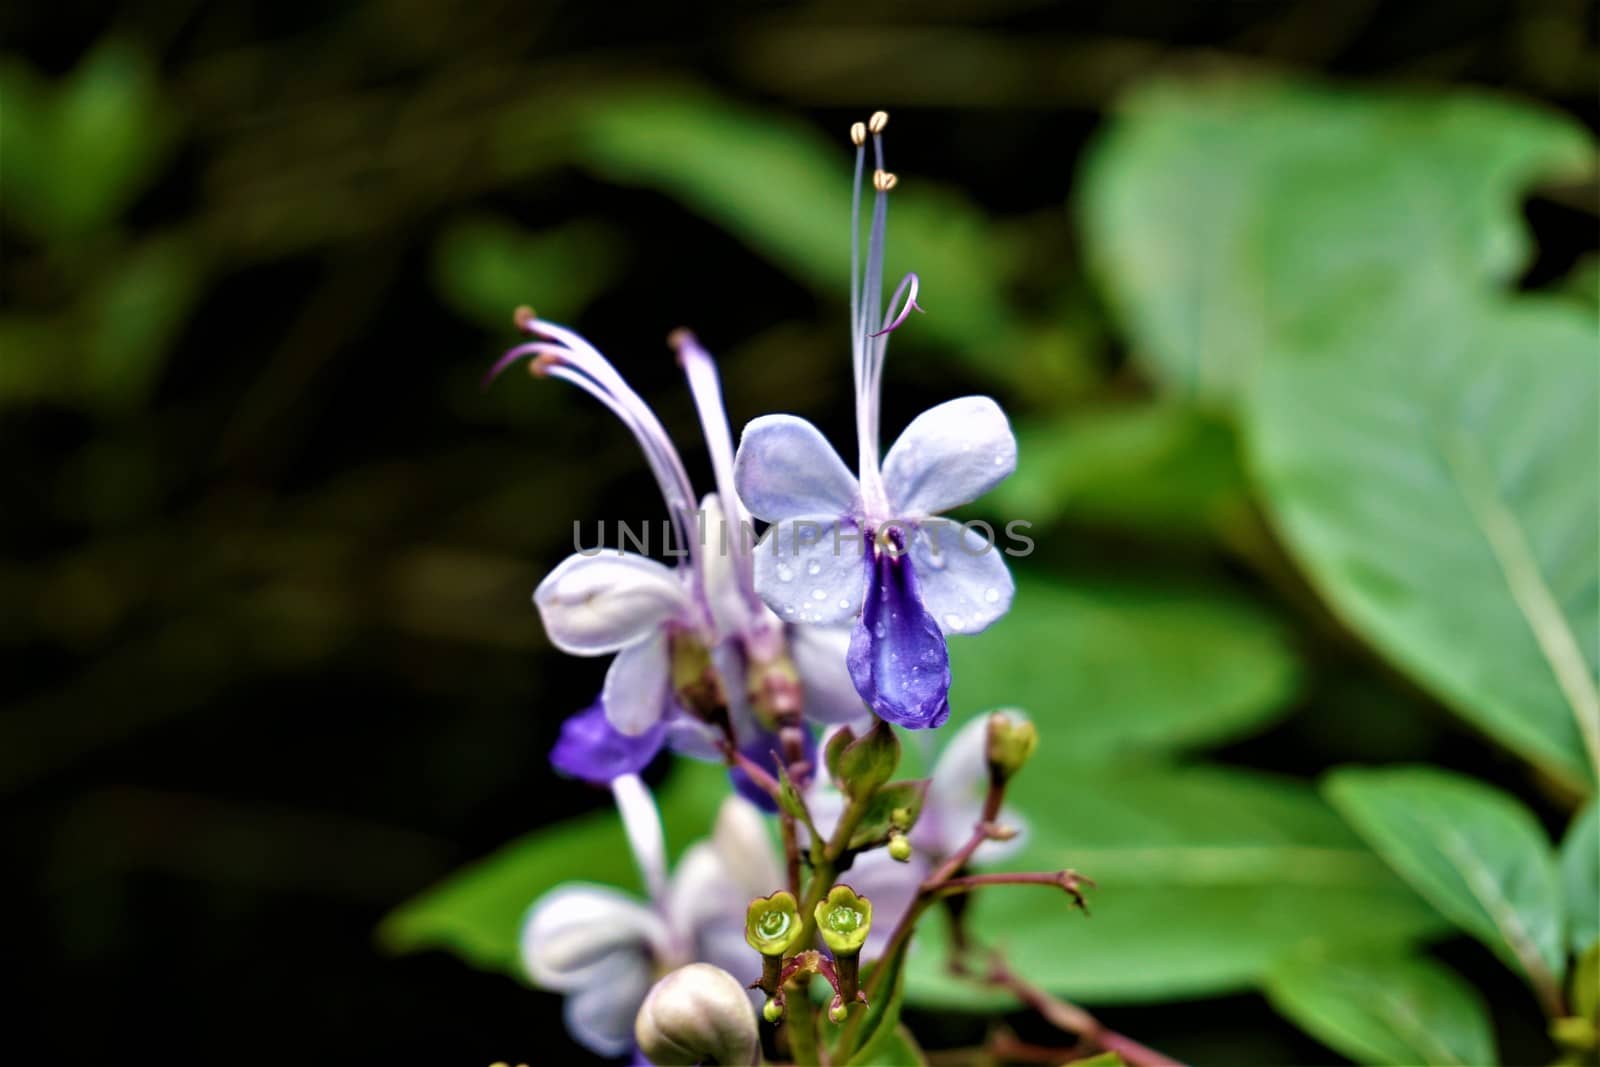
(1420, 462)
(1476, 853)
(1580, 879)
(1385, 1009)
(1111, 669)
(477, 911)
(1206, 878)
(1328, 263)
(1175, 198)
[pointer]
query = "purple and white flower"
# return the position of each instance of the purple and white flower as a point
(603, 948)
(691, 643)
(870, 548)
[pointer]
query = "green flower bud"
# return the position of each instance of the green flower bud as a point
(861, 764)
(837, 1012)
(772, 924)
(844, 920)
(772, 1011)
(899, 847)
(1011, 740)
(697, 1014)
(900, 818)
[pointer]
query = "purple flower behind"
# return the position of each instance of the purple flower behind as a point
(762, 749)
(593, 750)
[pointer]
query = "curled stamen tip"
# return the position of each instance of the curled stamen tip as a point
(524, 317)
(539, 366)
(858, 133)
(883, 180)
(680, 338)
(878, 121)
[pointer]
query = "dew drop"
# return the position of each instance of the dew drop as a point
(813, 568)
(844, 603)
(819, 594)
(954, 622)
(785, 573)
(991, 594)
(880, 629)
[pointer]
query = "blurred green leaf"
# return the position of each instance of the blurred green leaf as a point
(786, 192)
(77, 152)
(1206, 877)
(1110, 669)
(1385, 1009)
(1160, 467)
(485, 266)
(1177, 195)
(137, 312)
(1412, 430)
(477, 912)
(124, 324)
(1580, 878)
(1476, 853)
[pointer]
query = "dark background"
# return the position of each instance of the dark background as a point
(270, 663)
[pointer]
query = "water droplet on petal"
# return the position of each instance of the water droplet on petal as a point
(954, 622)
(991, 594)
(844, 602)
(819, 594)
(785, 573)
(813, 568)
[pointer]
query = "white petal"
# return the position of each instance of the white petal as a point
(729, 609)
(961, 574)
(592, 605)
(785, 467)
(636, 690)
(746, 849)
(812, 570)
(950, 455)
(573, 930)
(819, 655)
(702, 890)
(641, 821)
(600, 1015)
(959, 783)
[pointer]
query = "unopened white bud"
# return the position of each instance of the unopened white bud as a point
(697, 1014)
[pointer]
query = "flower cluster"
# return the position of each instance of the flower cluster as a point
(834, 619)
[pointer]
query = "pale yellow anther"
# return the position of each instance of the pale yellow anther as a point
(883, 181)
(878, 121)
(858, 133)
(523, 317)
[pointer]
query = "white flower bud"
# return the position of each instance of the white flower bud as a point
(697, 1014)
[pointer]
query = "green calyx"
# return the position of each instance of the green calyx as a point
(844, 920)
(772, 924)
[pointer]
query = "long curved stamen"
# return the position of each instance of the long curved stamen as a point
(704, 386)
(891, 325)
(561, 353)
(869, 375)
(858, 355)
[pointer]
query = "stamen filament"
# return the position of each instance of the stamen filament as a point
(706, 389)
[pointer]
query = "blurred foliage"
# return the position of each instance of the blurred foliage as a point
(269, 546)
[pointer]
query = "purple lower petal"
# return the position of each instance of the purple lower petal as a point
(764, 749)
(897, 657)
(591, 749)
